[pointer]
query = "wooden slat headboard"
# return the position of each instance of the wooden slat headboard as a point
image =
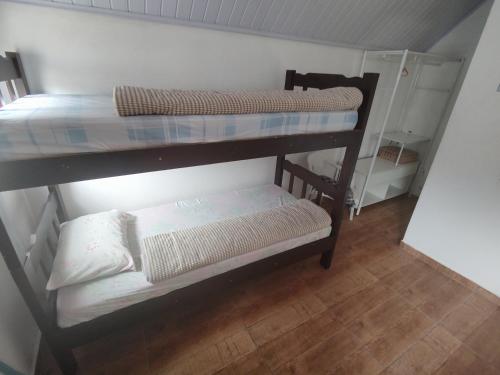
(8, 70)
(40, 256)
(367, 84)
(13, 83)
(36, 266)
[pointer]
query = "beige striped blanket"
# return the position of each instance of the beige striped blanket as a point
(136, 101)
(170, 254)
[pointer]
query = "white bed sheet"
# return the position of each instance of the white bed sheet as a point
(47, 125)
(86, 301)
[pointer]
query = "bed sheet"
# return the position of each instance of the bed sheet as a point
(38, 126)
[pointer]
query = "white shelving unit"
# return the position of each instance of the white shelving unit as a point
(376, 179)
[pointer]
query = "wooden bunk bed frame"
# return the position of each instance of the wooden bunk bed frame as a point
(31, 274)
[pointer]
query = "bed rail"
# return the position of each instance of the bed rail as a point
(307, 177)
(22, 174)
(336, 191)
(310, 178)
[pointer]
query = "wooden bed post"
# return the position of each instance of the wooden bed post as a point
(278, 175)
(289, 79)
(367, 85)
(349, 164)
(337, 214)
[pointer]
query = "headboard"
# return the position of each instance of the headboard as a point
(32, 272)
(41, 254)
(13, 83)
(367, 84)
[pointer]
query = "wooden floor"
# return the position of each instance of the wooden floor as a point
(379, 310)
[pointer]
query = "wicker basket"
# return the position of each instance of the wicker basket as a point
(391, 153)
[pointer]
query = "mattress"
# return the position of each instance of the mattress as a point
(38, 126)
(86, 301)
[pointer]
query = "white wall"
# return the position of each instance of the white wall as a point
(67, 52)
(72, 52)
(462, 40)
(457, 218)
(459, 42)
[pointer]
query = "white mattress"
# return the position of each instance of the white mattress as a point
(83, 302)
(47, 125)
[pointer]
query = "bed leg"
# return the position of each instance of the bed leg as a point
(64, 358)
(326, 259)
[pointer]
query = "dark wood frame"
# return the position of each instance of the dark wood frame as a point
(50, 171)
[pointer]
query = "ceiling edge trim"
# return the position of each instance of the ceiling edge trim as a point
(186, 23)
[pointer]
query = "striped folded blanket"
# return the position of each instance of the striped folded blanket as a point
(137, 101)
(170, 254)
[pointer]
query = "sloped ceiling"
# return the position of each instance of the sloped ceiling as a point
(387, 24)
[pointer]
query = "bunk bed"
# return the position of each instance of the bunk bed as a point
(54, 168)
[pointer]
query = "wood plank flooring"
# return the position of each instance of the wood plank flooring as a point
(379, 310)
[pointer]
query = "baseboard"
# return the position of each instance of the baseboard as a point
(450, 273)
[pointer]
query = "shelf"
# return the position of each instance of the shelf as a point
(385, 168)
(404, 138)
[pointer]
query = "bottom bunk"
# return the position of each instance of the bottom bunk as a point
(88, 300)
(218, 241)
(227, 238)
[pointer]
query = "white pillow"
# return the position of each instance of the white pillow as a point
(91, 247)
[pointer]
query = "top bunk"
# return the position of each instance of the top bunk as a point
(53, 139)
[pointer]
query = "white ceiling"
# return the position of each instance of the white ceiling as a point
(387, 24)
